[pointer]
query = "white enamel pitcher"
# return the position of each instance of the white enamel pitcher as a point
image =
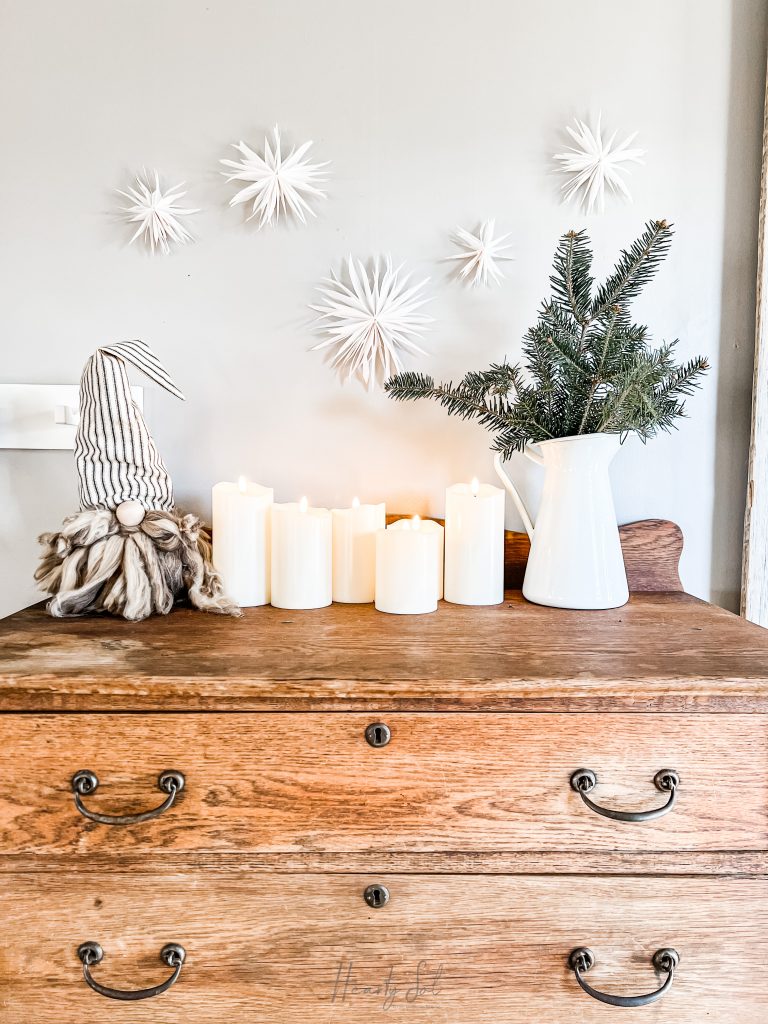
(575, 559)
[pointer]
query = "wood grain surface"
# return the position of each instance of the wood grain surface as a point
(713, 863)
(661, 652)
(651, 549)
(277, 949)
(311, 783)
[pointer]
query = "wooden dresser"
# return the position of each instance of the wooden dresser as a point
(379, 818)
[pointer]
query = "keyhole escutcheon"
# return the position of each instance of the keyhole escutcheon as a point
(378, 734)
(376, 896)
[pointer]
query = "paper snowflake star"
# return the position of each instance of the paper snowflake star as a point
(595, 163)
(156, 212)
(278, 185)
(480, 254)
(372, 320)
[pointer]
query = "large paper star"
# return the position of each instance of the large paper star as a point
(372, 320)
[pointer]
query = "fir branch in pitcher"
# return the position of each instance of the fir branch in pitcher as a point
(586, 367)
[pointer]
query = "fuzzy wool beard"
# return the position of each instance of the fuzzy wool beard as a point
(96, 564)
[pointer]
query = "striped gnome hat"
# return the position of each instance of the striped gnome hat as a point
(129, 550)
(117, 459)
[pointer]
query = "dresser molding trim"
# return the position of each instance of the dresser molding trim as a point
(753, 863)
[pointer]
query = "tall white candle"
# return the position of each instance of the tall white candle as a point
(408, 567)
(354, 551)
(474, 544)
(301, 556)
(241, 540)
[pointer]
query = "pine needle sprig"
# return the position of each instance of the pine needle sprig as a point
(586, 367)
(571, 281)
(636, 267)
(479, 395)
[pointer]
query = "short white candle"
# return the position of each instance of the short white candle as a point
(301, 556)
(354, 551)
(474, 544)
(409, 567)
(241, 543)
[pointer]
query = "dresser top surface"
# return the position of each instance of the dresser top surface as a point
(661, 651)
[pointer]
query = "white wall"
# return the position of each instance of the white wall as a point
(434, 113)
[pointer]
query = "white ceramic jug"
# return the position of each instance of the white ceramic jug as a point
(576, 559)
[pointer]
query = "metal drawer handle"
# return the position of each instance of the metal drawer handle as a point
(667, 780)
(665, 960)
(90, 953)
(85, 782)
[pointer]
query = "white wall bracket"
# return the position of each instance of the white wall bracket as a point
(43, 415)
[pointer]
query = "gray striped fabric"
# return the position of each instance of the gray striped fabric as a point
(115, 455)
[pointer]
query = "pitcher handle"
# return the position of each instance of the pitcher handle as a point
(531, 450)
(519, 504)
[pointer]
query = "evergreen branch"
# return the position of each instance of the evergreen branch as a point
(586, 367)
(685, 379)
(571, 282)
(597, 380)
(410, 385)
(567, 355)
(635, 268)
(464, 400)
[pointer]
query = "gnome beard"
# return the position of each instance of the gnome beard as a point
(129, 551)
(96, 563)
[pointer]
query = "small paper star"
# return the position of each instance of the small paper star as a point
(480, 254)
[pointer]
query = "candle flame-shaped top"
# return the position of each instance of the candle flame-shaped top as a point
(242, 483)
(355, 503)
(475, 485)
(416, 522)
(303, 505)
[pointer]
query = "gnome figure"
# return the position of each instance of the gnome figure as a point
(129, 550)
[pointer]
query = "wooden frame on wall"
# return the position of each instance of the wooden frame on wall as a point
(754, 585)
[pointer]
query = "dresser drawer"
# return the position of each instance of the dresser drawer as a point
(310, 782)
(287, 949)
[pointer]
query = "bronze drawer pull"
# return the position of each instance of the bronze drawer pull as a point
(85, 782)
(665, 960)
(173, 955)
(667, 780)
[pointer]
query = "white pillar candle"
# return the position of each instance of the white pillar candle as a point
(301, 556)
(474, 544)
(354, 551)
(241, 540)
(409, 567)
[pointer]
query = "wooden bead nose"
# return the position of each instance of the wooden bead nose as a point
(130, 513)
